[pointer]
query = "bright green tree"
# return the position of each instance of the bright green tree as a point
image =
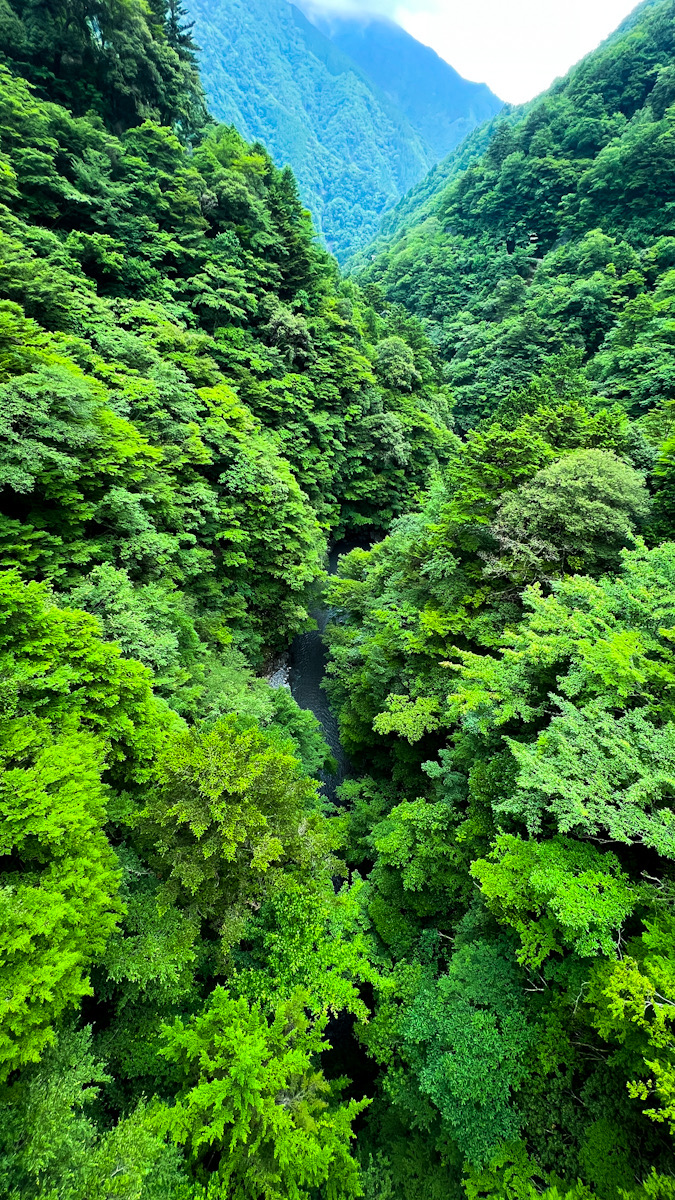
(575, 515)
(253, 1111)
(230, 808)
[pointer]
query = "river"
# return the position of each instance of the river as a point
(308, 669)
(345, 1056)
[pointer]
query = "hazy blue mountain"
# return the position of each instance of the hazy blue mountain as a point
(440, 104)
(355, 149)
(422, 201)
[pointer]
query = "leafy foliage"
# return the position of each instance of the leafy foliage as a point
(501, 663)
(70, 703)
(252, 1108)
(189, 406)
(230, 806)
(203, 407)
(191, 401)
(52, 1147)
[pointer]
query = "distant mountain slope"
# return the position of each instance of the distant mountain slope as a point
(440, 105)
(423, 199)
(273, 74)
(550, 229)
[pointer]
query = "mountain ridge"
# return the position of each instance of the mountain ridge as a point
(438, 110)
(480, 258)
(274, 74)
(419, 203)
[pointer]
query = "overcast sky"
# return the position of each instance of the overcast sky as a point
(518, 47)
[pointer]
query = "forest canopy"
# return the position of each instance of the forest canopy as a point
(458, 980)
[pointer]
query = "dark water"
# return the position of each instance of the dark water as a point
(308, 668)
(346, 1057)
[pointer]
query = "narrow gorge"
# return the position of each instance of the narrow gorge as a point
(337, 610)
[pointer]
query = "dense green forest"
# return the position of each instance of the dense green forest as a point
(359, 111)
(457, 983)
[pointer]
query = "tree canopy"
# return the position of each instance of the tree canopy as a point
(456, 982)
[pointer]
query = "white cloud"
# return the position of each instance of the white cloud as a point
(518, 47)
(352, 8)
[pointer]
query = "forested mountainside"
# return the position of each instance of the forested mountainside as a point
(557, 236)
(355, 145)
(191, 401)
(502, 667)
(440, 105)
(459, 982)
(426, 198)
(422, 201)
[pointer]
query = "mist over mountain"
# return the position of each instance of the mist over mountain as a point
(423, 200)
(506, 251)
(440, 104)
(358, 108)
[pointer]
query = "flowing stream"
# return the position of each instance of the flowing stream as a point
(308, 660)
(308, 668)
